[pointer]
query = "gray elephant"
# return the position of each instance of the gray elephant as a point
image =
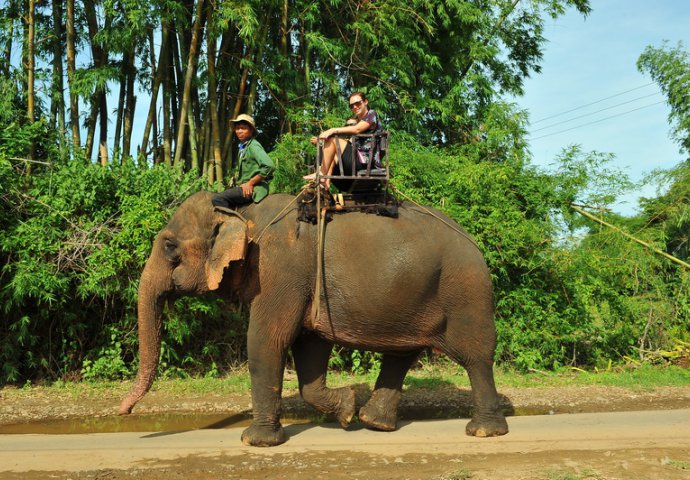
(391, 285)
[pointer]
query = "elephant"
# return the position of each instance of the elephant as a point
(391, 285)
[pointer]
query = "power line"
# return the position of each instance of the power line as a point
(595, 112)
(593, 103)
(597, 121)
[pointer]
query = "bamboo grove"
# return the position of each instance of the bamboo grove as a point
(90, 68)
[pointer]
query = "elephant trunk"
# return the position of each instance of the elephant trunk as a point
(153, 291)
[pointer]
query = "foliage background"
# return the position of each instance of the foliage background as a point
(74, 233)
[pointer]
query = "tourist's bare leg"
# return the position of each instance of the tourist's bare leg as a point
(329, 157)
(330, 154)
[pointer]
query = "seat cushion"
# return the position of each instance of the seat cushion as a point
(375, 172)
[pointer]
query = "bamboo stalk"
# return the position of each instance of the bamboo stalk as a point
(31, 60)
(130, 104)
(626, 234)
(215, 174)
(189, 75)
(193, 151)
(157, 72)
(71, 68)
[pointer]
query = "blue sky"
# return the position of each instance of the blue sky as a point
(593, 59)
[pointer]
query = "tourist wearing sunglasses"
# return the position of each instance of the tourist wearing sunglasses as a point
(367, 122)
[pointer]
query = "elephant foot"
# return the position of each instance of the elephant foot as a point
(381, 411)
(338, 403)
(346, 407)
(264, 436)
(483, 426)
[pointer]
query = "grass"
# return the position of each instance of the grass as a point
(637, 378)
(642, 377)
(462, 474)
(428, 376)
(586, 474)
(679, 465)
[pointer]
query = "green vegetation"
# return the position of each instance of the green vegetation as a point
(425, 377)
(636, 378)
(640, 378)
(462, 474)
(585, 474)
(74, 234)
(680, 465)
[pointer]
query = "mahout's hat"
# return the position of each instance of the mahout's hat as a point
(244, 118)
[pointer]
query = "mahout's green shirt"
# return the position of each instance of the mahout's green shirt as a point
(254, 160)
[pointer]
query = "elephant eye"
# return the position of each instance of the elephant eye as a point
(171, 251)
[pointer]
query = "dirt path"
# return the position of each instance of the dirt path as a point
(567, 433)
(645, 444)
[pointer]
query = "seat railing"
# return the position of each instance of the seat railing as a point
(379, 144)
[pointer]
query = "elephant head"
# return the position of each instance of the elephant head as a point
(189, 257)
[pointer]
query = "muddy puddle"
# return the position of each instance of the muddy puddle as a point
(185, 421)
(167, 422)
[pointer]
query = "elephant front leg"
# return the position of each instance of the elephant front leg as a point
(311, 354)
(381, 411)
(266, 367)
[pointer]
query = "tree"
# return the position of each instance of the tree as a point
(71, 74)
(57, 101)
(433, 68)
(670, 211)
(669, 67)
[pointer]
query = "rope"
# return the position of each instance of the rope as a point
(320, 225)
(316, 301)
(452, 227)
(230, 211)
(278, 215)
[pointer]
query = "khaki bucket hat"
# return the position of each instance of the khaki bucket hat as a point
(244, 118)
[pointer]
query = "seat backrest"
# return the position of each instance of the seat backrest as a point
(377, 157)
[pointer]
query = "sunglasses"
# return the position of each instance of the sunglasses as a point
(355, 104)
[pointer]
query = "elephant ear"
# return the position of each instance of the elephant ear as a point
(229, 244)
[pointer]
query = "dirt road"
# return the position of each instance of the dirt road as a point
(636, 444)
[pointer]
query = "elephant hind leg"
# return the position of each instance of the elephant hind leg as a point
(381, 411)
(487, 415)
(311, 354)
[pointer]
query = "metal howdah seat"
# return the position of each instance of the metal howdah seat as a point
(364, 175)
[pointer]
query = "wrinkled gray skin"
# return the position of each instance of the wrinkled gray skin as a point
(395, 286)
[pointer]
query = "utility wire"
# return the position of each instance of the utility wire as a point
(595, 112)
(597, 121)
(589, 104)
